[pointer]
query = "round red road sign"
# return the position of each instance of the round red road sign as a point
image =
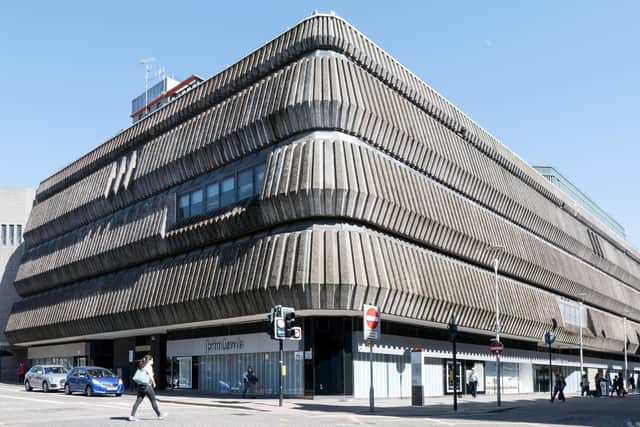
(372, 318)
(496, 347)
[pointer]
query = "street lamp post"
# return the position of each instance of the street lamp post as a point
(624, 379)
(581, 323)
(496, 250)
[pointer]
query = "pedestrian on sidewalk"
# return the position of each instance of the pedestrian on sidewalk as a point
(619, 386)
(558, 387)
(584, 385)
(603, 385)
(22, 370)
(632, 384)
(249, 381)
(145, 381)
(613, 386)
(473, 383)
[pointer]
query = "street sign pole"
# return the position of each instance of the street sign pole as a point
(371, 331)
(371, 402)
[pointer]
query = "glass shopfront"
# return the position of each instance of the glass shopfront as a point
(216, 365)
(508, 378)
(465, 369)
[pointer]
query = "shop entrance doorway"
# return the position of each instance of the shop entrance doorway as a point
(328, 355)
(540, 378)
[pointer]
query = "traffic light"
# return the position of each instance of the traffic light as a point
(276, 323)
(281, 324)
(289, 316)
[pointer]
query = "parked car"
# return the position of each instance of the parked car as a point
(46, 377)
(92, 380)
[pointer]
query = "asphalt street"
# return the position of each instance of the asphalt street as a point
(20, 408)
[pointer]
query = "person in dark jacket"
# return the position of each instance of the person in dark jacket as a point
(558, 387)
(249, 381)
(584, 385)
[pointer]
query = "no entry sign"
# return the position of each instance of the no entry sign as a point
(496, 348)
(371, 321)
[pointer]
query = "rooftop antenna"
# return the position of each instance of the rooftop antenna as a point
(147, 65)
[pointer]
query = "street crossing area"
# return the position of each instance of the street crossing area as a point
(21, 408)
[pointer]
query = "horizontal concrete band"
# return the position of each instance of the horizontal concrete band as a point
(322, 267)
(420, 142)
(340, 178)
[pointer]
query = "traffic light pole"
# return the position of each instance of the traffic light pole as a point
(550, 373)
(281, 365)
(455, 377)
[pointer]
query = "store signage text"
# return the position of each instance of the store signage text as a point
(224, 345)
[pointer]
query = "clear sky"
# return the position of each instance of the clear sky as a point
(555, 81)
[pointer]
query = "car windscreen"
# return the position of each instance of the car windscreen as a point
(101, 373)
(55, 370)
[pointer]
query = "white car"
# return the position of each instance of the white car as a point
(46, 377)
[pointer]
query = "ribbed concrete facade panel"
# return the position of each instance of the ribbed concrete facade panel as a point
(165, 288)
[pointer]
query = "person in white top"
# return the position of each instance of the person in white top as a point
(145, 387)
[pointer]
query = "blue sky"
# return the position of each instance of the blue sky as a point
(557, 82)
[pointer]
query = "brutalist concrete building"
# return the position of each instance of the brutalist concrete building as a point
(318, 173)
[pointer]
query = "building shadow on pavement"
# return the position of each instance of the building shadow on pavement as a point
(591, 412)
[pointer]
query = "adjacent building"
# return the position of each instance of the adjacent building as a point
(563, 183)
(160, 94)
(318, 173)
(15, 205)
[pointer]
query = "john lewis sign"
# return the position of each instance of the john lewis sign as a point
(229, 344)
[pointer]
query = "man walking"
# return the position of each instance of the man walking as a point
(558, 388)
(249, 381)
(584, 385)
(473, 383)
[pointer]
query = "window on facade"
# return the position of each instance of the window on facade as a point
(19, 232)
(245, 184)
(259, 176)
(197, 203)
(228, 191)
(4, 234)
(213, 197)
(219, 194)
(183, 207)
(570, 312)
(11, 237)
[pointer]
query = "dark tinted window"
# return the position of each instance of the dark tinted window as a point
(197, 203)
(55, 370)
(228, 191)
(183, 207)
(213, 196)
(245, 184)
(259, 176)
(101, 373)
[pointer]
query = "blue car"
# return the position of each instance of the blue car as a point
(92, 380)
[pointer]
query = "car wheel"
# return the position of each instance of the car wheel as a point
(67, 389)
(88, 391)
(118, 394)
(27, 386)
(45, 387)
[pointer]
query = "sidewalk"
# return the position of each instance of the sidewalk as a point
(434, 406)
